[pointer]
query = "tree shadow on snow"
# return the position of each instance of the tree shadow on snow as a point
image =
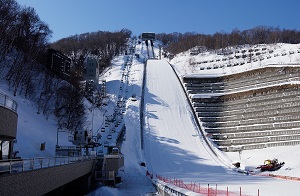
(152, 99)
(168, 160)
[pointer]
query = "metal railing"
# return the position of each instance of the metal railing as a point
(21, 165)
(7, 102)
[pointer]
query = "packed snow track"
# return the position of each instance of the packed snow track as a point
(172, 142)
(173, 146)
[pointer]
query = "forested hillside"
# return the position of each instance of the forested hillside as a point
(103, 44)
(180, 42)
(24, 41)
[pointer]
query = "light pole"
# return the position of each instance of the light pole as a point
(93, 120)
(57, 137)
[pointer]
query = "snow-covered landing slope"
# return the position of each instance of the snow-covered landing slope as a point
(172, 143)
(173, 147)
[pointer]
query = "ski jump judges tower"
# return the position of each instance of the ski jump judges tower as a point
(148, 36)
(151, 37)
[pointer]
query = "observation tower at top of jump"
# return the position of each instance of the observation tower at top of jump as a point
(149, 36)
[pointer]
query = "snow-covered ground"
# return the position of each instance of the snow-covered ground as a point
(173, 146)
(268, 55)
(34, 129)
(175, 149)
(235, 60)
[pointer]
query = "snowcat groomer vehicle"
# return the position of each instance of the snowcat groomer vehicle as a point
(270, 165)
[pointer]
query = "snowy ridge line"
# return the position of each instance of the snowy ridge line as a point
(198, 123)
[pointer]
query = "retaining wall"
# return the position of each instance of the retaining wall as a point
(42, 181)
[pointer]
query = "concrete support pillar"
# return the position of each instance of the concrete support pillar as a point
(86, 182)
(10, 149)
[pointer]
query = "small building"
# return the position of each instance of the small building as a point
(58, 63)
(148, 36)
(81, 138)
(91, 75)
(8, 126)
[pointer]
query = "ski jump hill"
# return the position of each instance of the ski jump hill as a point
(174, 146)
